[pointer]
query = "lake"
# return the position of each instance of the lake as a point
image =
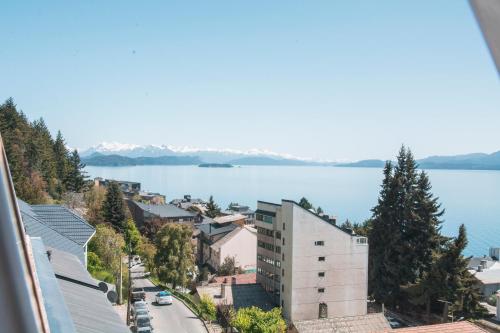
(469, 197)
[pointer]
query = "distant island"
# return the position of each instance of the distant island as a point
(215, 165)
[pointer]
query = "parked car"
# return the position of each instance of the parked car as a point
(163, 297)
(143, 323)
(138, 294)
(142, 312)
(139, 305)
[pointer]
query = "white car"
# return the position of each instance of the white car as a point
(163, 297)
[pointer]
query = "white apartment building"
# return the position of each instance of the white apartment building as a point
(309, 266)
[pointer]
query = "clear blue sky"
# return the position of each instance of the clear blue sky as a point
(331, 79)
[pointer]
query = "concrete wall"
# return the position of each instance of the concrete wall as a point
(345, 266)
(242, 246)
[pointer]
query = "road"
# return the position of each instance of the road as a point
(167, 318)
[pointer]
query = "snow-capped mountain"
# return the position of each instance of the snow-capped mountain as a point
(209, 155)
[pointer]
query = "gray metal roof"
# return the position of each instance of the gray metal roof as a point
(51, 237)
(65, 221)
(58, 314)
(90, 309)
(212, 229)
(166, 210)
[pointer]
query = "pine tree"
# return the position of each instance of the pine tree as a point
(304, 203)
(61, 160)
(113, 208)
(385, 243)
(75, 177)
(213, 209)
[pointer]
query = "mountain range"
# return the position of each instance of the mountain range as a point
(117, 154)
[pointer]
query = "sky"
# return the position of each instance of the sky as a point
(336, 80)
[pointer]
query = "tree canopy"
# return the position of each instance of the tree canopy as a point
(174, 258)
(37, 162)
(255, 320)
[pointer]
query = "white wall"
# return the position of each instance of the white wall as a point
(242, 246)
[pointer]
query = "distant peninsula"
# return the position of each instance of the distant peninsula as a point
(215, 165)
(97, 159)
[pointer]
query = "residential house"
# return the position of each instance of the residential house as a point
(127, 187)
(238, 219)
(189, 203)
(72, 299)
(235, 208)
(146, 215)
(487, 271)
(209, 234)
(309, 266)
(239, 244)
(59, 226)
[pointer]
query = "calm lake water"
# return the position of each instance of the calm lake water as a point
(469, 197)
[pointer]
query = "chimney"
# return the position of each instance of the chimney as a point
(233, 280)
(484, 264)
(223, 290)
(479, 268)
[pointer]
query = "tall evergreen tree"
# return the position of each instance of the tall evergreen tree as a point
(113, 208)
(213, 209)
(75, 177)
(61, 160)
(304, 203)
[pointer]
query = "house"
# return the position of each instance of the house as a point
(189, 203)
(240, 209)
(72, 299)
(150, 198)
(238, 219)
(487, 270)
(209, 234)
(369, 323)
(309, 266)
(59, 226)
(127, 187)
(146, 215)
(239, 244)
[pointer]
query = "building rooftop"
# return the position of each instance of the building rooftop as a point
(490, 275)
(51, 236)
(212, 229)
(65, 221)
(457, 327)
(165, 211)
(250, 278)
(229, 218)
(217, 245)
(370, 323)
(90, 310)
(239, 295)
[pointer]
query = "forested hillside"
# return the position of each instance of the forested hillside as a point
(42, 168)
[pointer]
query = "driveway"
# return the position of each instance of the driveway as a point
(167, 318)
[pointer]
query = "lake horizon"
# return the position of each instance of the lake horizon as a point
(468, 196)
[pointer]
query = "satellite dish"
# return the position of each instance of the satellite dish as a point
(112, 296)
(103, 286)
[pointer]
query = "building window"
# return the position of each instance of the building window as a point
(278, 249)
(321, 274)
(282, 303)
(283, 225)
(323, 310)
(282, 288)
(264, 218)
(319, 243)
(321, 258)
(282, 272)
(277, 263)
(283, 240)
(321, 290)
(278, 234)
(362, 240)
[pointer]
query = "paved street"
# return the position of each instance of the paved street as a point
(167, 318)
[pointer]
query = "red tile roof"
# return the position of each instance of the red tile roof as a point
(458, 327)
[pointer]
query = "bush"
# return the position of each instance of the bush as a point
(208, 310)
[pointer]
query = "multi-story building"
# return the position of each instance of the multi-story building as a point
(312, 268)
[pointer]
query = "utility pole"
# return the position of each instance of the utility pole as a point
(120, 299)
(129, 284)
